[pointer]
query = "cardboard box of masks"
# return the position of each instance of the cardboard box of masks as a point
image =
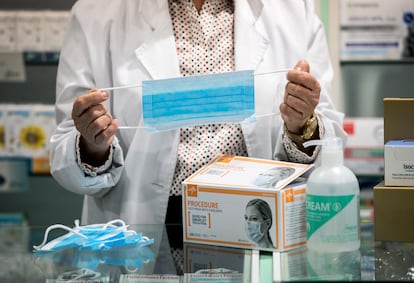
(246, 203)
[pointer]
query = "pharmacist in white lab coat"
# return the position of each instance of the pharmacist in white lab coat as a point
(129, 173)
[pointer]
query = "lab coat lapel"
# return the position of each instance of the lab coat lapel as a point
(158, 53)
(251, 39)
(250, 36)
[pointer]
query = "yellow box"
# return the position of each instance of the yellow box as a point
(218, 210)
(393, 211)
(40, 165)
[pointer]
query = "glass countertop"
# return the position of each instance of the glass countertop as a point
(159, 262)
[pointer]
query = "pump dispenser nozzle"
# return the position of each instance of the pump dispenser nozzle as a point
(332, 152)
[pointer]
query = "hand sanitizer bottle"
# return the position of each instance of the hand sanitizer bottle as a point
(332, 202)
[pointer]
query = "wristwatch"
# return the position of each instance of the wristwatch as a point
(308, 131)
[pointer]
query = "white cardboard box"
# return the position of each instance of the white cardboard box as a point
(380, 43)
(375, 29)
(399, 163)
(373, 12)
(216, 197)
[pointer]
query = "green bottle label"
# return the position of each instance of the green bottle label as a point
(320, 209)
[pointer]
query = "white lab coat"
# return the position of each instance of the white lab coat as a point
(123, 42)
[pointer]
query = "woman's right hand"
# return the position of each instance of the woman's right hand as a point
(95, 125)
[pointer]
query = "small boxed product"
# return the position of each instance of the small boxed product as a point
(246, 203)
(380, 43)
(399, 163)
(393, 210)
(374, 13)
(397, 113)
(3, 126)
(375, 29)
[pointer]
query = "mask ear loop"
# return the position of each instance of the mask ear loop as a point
(267, 115)
(131, 269)
(140, 85)
(56, 226)
(106, 225)
(112, 222)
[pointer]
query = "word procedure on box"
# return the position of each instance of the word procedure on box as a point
(247, 203)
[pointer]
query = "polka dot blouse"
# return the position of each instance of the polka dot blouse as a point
(204, 42)
(204, 46)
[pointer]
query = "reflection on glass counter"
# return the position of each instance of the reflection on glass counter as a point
(307, 265)
(157, 262)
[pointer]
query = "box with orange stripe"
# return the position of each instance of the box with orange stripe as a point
(246, 202)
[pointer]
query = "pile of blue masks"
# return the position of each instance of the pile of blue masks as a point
(93, 237)
(89, 246)
(128, 258)
(196, 100)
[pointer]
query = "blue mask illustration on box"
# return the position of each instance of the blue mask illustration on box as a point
(254, 231)
(196, 100)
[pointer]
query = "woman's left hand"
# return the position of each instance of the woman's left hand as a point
(301, 97)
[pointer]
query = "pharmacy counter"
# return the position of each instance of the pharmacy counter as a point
(197, 263)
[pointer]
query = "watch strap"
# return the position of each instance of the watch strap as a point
(309, 131)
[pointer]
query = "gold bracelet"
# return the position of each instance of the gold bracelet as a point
(308, 131)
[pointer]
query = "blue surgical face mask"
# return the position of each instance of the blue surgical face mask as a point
(196, 100)
(131, 256)
(92, 237)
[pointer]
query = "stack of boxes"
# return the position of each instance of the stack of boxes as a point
(394, 196)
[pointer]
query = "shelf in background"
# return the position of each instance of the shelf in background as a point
(41, 58)
(408, 61)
